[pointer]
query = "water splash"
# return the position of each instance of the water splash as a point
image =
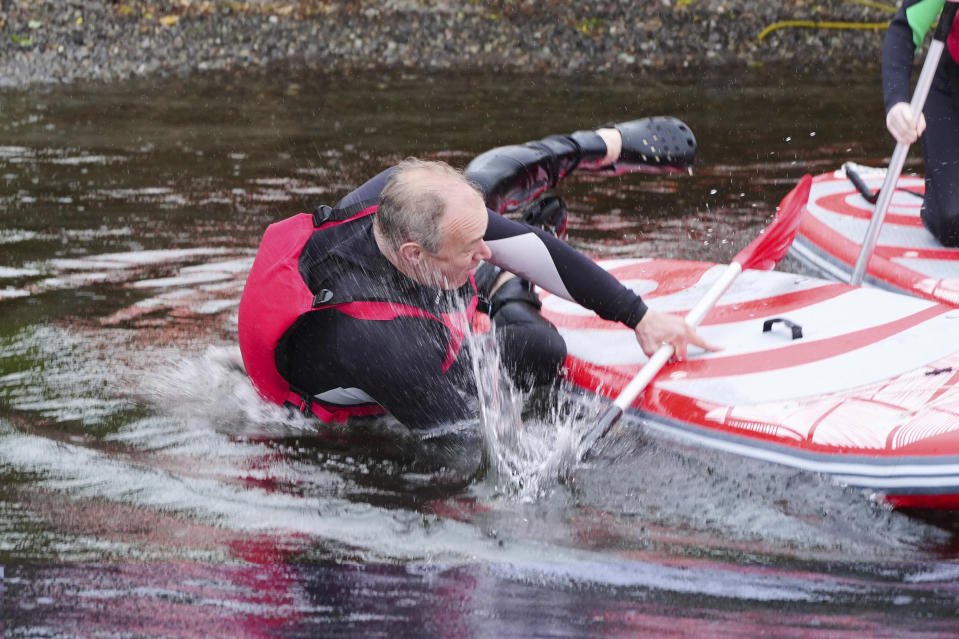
(209, 396)
(214, 387)
(531, 439)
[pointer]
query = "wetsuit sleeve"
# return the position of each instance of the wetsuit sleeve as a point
(903, 38)
(512, 176)
(549, 262)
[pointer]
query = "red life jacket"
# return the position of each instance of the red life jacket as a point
(276, 295)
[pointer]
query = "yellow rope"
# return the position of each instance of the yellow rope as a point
(874, 5)
(810, 24)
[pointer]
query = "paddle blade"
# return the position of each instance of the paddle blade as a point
(610, 416)
(763, 253)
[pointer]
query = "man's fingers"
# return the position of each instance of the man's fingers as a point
(681, 345)
(679, 350)
(658, 329)
(698, 340)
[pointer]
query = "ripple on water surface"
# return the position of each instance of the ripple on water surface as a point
(134, 450)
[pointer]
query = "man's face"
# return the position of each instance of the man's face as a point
(461, 246)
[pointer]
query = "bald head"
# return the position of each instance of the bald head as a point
(430, 222)
(415, 199)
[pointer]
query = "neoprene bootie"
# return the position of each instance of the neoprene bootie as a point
(659, 143)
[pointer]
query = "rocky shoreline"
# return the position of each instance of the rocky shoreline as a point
(52, 41)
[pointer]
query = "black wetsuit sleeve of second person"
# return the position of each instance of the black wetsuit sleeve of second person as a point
(898, 51)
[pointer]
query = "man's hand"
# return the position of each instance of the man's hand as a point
(657, 328)
(903, 126)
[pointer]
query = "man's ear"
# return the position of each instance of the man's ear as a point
(411, 253)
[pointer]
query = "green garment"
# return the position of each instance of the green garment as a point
(921, 17)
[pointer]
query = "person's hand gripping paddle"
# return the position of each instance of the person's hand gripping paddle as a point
(763, 254)
(923, 85)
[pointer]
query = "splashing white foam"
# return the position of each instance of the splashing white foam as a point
(527, 455)
(215, 386)
(528, 452)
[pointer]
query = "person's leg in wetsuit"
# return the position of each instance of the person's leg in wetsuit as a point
(940, 147)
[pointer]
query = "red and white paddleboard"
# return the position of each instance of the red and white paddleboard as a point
(869, 392)
(907, 257)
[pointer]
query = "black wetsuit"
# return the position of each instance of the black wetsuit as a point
(940, 142)
(400, 363)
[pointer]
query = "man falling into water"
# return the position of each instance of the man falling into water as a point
(363, 308)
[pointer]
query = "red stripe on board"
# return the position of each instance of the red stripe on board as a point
(929, 501)
(881, 267)
(599, 380)
(795, 354)
(835, 244)
(671, 276)
(847, 251)
(723, 314)
(774, 305)
(891, 252)
(837, 203)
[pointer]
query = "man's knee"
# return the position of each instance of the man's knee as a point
(940, 207)
(949, 232)
(515, 302)
(533, 354)
(943, 224)
(532, 349)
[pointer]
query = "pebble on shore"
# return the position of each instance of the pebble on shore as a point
(48, 41)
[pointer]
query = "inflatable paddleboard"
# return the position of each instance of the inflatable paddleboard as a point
(856, 382)
(907, 258)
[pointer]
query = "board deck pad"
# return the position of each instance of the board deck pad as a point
(868, 393)
(907, 257)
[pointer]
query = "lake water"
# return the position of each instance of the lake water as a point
(145, 491)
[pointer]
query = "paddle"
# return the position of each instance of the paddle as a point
(899, 154)
(763, 253)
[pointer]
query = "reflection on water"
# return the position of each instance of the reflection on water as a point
(270, 597)
(144, 488)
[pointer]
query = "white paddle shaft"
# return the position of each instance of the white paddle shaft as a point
(896, 164)
(664, 352)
